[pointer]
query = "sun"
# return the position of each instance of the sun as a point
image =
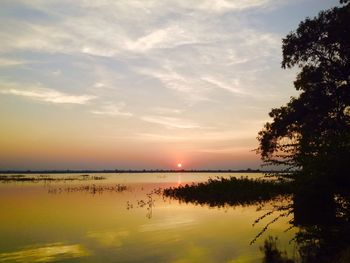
(179, 165)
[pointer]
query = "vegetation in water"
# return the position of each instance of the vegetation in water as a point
(91, 189)
(46, 178)
(230, 191)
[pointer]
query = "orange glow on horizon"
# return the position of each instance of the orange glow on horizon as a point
(179, 165)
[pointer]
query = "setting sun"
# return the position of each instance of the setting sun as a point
(143, 131)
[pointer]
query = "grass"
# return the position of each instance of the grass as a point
(91, 189)
(229, 191)
(46, 178)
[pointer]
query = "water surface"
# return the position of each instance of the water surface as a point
(95, 221)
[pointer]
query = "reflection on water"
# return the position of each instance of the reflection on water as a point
(174, 222)
(91, 221)
(47, 253)
(323, 236)
(109, 238)
(325, 229)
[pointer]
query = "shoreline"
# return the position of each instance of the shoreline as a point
(133, 171)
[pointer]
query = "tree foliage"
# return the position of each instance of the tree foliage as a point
(310, 135)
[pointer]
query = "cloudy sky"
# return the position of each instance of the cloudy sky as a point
(141, 83)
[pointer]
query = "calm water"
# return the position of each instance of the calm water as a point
(74, 221)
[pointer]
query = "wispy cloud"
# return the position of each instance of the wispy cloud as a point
(165, 110)
(57, 72)
(170, 79)
(159, 137)
(192, 89)
(45, 94)
(227, 5)
(178, 66)
(232, 87)
(171, 122)
(226, 150)
(98, 31)
(99, 85)
(112, 110)
(8, 62)
(169, 37)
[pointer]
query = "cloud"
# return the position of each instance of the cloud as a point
(57, 72)
(159, 137)
(170, 79)
(226, 150)
(190, 89)
(139, 27)
(233, 5)
(8, 62)
(208, 6)
(203, 135)
(100, 85)
(171, 122)
(46, 95)
(179, 66)
(112, 110)
(232, 87)
(165, 110)
(169, 37)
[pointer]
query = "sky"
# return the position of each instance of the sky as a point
(142, 84)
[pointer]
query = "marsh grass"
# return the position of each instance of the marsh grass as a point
(91, 189)
(148, 203)
(230, 191)
(46, 178)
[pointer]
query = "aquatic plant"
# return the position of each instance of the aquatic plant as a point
(230, 191)
(91, 189)
(46, 178)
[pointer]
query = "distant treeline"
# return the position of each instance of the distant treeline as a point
(132, 171)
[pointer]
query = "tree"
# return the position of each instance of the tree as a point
(310, 135)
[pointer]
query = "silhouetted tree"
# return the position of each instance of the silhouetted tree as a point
(310, 135)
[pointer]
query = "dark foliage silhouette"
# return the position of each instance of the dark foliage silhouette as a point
(310, 135)
(229, 191)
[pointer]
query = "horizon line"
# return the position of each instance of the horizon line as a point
(53, 171)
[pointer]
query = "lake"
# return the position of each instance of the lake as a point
(125, 218)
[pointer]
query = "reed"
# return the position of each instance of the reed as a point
(230, 191)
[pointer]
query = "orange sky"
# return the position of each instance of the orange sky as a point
(157, 84)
